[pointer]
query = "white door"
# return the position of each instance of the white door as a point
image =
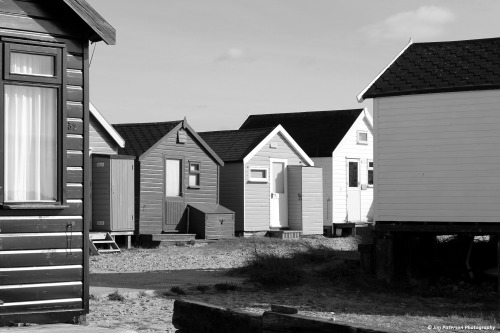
(353, 191)
(279, 194)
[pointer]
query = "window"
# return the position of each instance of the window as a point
(32, 140)
(257, 174)
(353, 174)
(362, 137)
(370, 173)
(194, 175)
(173, 179)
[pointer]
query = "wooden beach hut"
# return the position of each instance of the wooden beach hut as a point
(256, 182)
(112, 187)
(436, 110)
(44, 173)
(341, 143)
(174, 168)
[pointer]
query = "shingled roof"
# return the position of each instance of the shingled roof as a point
(233, 146)
(440, 67)
(140, 137)
(317, 132)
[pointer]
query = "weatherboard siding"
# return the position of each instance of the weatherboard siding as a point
(50, 242)
(312, 205)
(294, 174)
(349, 148)
(437, 157)
(257, 195)
(100, 142)
(152, 173)
(231, 191)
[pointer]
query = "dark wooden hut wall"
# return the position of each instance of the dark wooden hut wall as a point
(50, 243)
(231, 191)
(152, 173)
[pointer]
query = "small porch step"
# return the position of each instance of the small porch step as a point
(102, 242)
(285, 234)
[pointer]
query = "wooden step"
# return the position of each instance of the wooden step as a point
(108, 250)
(172, 237)
(285, 234)
(100, 238)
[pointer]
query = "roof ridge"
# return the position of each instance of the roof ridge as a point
(152, 123)
(459, 41)
(301, 112)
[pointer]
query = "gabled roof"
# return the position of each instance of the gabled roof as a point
(233, 146)
(317, 132)
(102, 29)
(242, 145)
(107, 126)
(439, 67)
(141, 137)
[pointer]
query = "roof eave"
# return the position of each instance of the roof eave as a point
(103, 30)
(361, 96)
(107, 126)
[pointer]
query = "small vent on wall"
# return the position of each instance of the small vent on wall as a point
(181, 136)
(100, 164)
(274, 145)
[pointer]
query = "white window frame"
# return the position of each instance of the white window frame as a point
(359, 141)
(258, 180)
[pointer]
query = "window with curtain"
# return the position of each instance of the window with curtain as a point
(194, 174)
(173, 181)
(31, 125)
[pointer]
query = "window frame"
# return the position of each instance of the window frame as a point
(258, 180)
(368, 169)
(58, 81)
(358, 139)
(181, 177)
(198, 173)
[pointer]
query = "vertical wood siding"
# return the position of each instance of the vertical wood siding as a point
(349, 148)
(49, 242)
(101, 195)
(295, 197)
(437, 157)
(325, 163)
(151, 190)
(122, 198)
(231, 191)
(99, 141)
(257, 205)
(312, 204)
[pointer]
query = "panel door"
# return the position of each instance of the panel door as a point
(174, 189)
(279, 194)
(122, 197)
(353, 191)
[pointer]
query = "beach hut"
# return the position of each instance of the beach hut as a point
(256, 182)
(174, 168)
(436, 113)
(341, 143)
(112, 187)
(45, 165)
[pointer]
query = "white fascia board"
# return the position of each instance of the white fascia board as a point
(107, 126)
(291, 141)
(368, 117)
(360, 95)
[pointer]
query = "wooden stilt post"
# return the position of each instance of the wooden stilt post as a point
(384, 257)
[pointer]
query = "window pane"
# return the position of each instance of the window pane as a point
(370, 177)
(370, 164)
(363, 137)
(30, 144)
(32, 64)
(353, 174)
(258, 174)
(194, 167)
(194, 180)
(278, 181)
(173, 178)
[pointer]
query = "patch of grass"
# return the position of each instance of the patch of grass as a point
(179, 243)
(142, 293)
(92, 297)
(191, 242)
(273, 270)
(178, 290)
(116, 296)
(202, 288)
(314, 254)
(225, 287)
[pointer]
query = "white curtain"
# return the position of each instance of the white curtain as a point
(30, 147)
(173, 178)
(31, 64)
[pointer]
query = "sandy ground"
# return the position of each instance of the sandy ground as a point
(145, 278)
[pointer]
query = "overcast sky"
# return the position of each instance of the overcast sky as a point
(216, 61)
